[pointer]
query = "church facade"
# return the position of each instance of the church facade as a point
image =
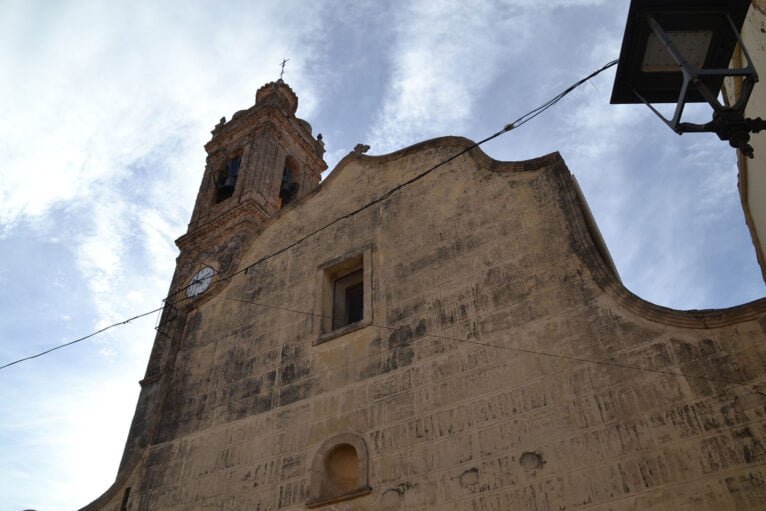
(409, 335)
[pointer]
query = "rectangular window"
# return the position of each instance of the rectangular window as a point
(344, 297)
(348, 299)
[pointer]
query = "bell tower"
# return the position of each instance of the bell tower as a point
(262, 160)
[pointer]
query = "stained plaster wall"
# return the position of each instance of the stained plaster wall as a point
(500, 257)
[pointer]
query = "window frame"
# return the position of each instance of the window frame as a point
(328, 275)
(342, 288)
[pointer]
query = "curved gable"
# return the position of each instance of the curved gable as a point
(494, 331)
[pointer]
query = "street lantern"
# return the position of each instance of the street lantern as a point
(678, 51)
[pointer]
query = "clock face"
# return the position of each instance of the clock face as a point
(200, 282)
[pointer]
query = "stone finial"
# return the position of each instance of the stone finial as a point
(219, 125)
(361, 148)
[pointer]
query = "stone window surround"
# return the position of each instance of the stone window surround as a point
(327, 272)
(318, 475)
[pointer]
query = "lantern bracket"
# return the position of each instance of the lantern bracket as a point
(728, 122)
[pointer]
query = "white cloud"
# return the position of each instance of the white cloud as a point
(444, 57)
(99, 252)
(101, 150)
(101, 85)
(436, 70)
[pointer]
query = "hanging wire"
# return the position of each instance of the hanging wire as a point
(679, 374)
(113, 325)
(508, 127)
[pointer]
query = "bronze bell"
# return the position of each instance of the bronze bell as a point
(229, 184)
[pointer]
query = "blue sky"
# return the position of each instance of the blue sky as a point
(107, 106)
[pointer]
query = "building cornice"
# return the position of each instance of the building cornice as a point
(242, 124)
(248, 211)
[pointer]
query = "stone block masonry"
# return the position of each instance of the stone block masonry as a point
(503, 365)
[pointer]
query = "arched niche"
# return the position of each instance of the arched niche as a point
(340, 470)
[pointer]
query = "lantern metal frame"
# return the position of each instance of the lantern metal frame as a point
(689, 83)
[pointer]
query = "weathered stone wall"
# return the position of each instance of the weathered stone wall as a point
(490, 302)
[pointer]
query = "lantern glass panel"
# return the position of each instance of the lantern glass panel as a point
(693, 46)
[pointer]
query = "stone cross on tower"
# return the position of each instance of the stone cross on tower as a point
(284, 61)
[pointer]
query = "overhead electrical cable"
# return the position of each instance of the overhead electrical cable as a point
(527, 351)
(119, 323)
(508, 127)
